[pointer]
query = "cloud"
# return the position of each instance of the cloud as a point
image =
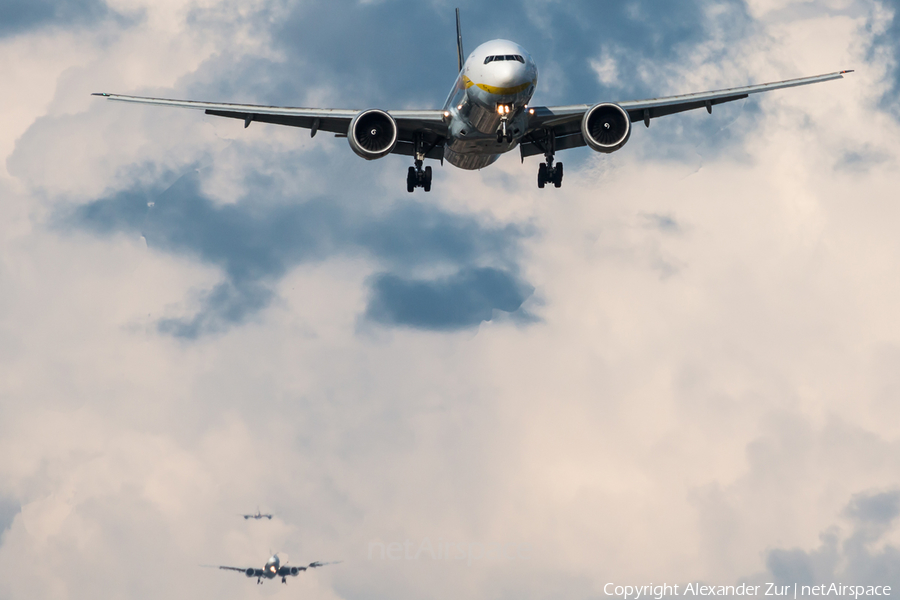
(256, 241)
(20, 16)
(395, 40)
(878, 509)
(462, 300)
(853, 559)
(888, 39)
(690, 426)
(9, 508)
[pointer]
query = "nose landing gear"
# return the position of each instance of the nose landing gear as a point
(504, 111)
(503, 134)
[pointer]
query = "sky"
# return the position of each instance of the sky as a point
(682, 366)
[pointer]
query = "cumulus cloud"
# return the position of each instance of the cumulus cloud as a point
(851, 559)
(256, 246)
(19, 17)
(698, 377)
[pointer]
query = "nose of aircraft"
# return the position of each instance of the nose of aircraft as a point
(508, 73)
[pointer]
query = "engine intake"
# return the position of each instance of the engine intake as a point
(250, 572)
(372, 134)
(606, 127)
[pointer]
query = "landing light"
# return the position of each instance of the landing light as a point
(446, 113)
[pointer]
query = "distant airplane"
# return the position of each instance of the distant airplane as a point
(258, 515)
(274, 568)
(486, 115)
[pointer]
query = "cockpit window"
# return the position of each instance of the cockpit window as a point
(517, 57)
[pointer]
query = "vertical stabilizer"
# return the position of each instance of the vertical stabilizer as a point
(461, 58)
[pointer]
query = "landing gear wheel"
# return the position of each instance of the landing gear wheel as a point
(557, 175)
(542, 175)
(418, 177)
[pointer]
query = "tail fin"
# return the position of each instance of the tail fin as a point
(461, 58)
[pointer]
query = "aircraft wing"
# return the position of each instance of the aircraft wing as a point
(318, 563)
(564, 122)
(244, 570)
(430, 124)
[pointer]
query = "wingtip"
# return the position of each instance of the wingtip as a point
(846, 71)
(99, 94)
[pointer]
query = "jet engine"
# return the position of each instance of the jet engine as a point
(295, 571)
(372, 134)
(606, 127)
(251, 572)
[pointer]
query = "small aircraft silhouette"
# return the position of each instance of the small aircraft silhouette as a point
(258, 515)
(275, 568)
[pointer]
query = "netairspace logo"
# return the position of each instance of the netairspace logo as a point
(658, 592)
(445, 550)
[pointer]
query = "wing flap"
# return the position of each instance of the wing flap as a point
(531, 146)
(330, 124)
(408, 148)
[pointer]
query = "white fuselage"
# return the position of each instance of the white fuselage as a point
(495, 85)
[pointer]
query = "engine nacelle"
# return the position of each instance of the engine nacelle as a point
(372, 134)
(251, 572)
(295, 571)
(606, 127)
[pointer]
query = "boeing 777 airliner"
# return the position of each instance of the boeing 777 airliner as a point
(274, 567)
(486, 115)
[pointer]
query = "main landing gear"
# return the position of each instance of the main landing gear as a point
(547, 173)
(417, 176)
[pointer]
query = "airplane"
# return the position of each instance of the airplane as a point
(274, 568)
(486, 115)
(258, 515)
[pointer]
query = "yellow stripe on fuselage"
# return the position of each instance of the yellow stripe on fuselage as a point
(496, 90)
(504, 91)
